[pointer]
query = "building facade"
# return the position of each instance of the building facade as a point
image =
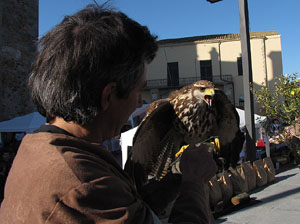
(18, 36)
(217, 58)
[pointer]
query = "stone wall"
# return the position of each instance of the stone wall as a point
(18, 34)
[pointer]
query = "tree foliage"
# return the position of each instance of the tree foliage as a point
(283, 102)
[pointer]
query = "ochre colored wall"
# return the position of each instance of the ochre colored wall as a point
(265, 55)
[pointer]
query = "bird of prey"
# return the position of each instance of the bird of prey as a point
(191, 115)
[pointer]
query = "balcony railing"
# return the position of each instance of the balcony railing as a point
(163, 83)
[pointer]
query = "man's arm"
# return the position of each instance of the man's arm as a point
(192, 205)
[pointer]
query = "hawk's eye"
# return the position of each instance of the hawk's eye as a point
(202, 89)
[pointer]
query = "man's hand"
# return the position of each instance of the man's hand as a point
(192, 205)
(197, 164)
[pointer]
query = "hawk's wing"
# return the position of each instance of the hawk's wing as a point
(154, 146)
(227, 128)
(154, 143)
(226, 116)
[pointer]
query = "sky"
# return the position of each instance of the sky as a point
(184, 18)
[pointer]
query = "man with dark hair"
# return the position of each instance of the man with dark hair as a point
(87, 79)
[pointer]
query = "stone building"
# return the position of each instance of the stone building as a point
(218, 58)
(18, 33)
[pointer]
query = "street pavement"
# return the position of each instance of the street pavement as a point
(275, 203)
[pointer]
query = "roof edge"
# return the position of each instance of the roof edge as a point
(216, 37)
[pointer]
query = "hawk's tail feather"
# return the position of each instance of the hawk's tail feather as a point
(163, 160)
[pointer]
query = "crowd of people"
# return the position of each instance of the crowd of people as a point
(10, 142)
(280, 143)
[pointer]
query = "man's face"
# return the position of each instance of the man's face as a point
(123, 108)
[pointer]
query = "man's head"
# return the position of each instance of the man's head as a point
(83, 54)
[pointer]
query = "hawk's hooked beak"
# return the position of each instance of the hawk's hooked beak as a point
(208, 95)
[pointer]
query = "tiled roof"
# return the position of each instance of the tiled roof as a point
(216, 37)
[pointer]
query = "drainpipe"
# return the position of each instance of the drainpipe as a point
(220, 63)
(196, 69)
(265, 58)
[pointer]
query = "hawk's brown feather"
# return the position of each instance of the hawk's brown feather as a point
(188, 116)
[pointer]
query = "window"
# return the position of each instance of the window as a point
(240, 66)
(206, 70)
(173, 74)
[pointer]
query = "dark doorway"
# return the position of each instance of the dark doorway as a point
(206, 70)
(173, 74)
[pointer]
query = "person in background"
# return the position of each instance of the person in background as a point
(275, 127)
(87, 79)
(243, 153)
(113, 144)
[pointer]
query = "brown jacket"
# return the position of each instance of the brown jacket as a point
(56, 178)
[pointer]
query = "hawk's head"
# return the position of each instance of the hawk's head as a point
(203, 90)
(192, 104)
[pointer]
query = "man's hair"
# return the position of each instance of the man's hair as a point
(84, 53)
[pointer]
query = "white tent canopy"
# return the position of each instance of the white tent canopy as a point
(258, 120)
(27, 123)
(126, 140)
(138, 112)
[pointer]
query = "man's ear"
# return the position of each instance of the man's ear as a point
(107, 92)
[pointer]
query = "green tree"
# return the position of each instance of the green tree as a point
(283, 102)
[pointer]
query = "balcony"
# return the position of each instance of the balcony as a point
(163, 83)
